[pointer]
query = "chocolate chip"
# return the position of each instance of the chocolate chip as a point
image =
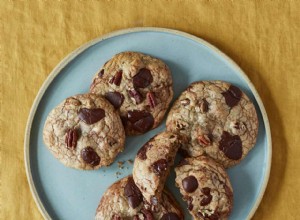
(142, 152)
(147, 214)
(143, 78)
(133, 193)
(100, 74)
(89, 156)
(71, 138)
(190, 184)
(160, 166)
(151, 99)
(231, 146)
(117, 78)
(170, 216)
(115, 98)
(190, 203)
(205, 190)
(206, 200)
(232, 96)
(91, 116)
(136, 95)
(142, 121)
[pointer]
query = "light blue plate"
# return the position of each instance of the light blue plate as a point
(65, 193)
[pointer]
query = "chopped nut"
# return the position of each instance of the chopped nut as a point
(204, 140)
(185, 102)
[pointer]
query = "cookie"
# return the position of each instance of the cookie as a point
(84, 132)
(205, 187)
(123, 200)
(139, 86)
(219, 120)
(152, 164)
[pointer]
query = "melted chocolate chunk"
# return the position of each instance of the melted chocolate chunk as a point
(205, 190)
(206, 200)
(232, 96)
(160, 166)
(91, 116)
(100, 74)
(90, 157)
(142, 152)
(115, 98)
(231, 146)
(147, 214)
(141, 121)
(170, 216)
(133, 194)
(190, 184)
(190, 203)
(142, 79)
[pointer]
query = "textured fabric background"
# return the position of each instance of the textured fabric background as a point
(263, 37)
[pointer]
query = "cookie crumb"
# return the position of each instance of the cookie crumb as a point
(120, 164)
(130, 161)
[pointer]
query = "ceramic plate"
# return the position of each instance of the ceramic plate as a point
(65, 193)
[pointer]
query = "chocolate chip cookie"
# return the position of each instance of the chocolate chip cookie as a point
(123, 201)
(152, 164)
(205, 187)
(139, 86)
(219, 120)
(84, 132)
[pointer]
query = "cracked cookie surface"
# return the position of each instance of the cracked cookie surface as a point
(206, 188)
(123, 201)
(84, 132)
(218, 119)
(153, 162)
(139, 86)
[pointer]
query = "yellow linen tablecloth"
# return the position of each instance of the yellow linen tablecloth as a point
(263, 37)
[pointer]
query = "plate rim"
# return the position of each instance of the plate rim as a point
(68, 58)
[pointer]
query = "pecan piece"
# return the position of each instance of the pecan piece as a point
(71, 138)
(204, 140)
(117, 78)
(136, 95)
(151, 99)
